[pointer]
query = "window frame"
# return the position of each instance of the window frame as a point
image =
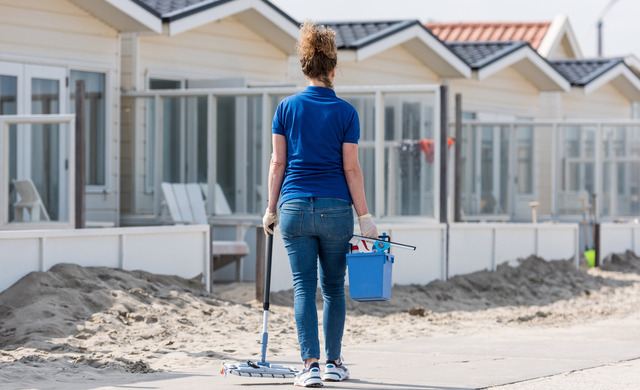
(110, 86)
(108, 125)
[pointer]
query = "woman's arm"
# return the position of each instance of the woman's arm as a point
(353, 174)
(355, 182)
(276, 170)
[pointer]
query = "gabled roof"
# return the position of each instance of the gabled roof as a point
(260, 15)
(560, 35)
(184, 15)
(633, 62)
(354, 35)
(545, 37)
(366, 39)
(488, 58)
(123, 15)
(164, 7)
(592, 74)
(532, 32)
(170, 10)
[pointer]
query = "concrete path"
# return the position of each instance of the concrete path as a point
(603, 355)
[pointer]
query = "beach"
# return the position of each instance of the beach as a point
(75, 327)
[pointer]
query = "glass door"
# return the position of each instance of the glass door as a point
(42, 148)
(10, 104)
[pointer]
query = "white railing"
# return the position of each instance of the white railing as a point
(619, 238)
(603, 144)
(472, 247)
(170, 250)
(484, 246)
(378, 143)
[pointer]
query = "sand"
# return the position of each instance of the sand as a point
(72, 326)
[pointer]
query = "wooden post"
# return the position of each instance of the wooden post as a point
(457, 203)
(596, 231)
(443, 153)
(80, 157)
(260, 254)
(444, 217)
(534, 215)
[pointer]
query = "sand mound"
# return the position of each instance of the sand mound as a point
(533, 282)
(112, 319)
(622, 262)
(45, 305)
(73, 320)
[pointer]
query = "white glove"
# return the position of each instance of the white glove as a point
(367, 227)
(268, 220)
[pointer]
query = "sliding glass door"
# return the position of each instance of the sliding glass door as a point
(38, 155)
(10, 75)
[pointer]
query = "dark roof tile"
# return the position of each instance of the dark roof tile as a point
(165, 7)
(352, 35)
(479, 54)
(582, 72)
(170, 10)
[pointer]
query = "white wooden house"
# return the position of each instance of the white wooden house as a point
(185, 91)
(44, 47)
(600, 90)
(239, 44)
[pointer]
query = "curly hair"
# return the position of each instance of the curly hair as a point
(317, 51)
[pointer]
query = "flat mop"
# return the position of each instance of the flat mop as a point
(262, 369)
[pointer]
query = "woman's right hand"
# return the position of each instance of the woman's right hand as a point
(367, 227)
(269, 221)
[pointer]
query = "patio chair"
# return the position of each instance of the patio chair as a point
(186, 205)
(29, 201)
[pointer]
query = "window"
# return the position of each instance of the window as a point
(524, 139)
(171, 113)
(409, 154)
(95, 123)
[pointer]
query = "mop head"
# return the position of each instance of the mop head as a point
(260, 370)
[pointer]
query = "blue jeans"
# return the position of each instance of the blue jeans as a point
(312, 229)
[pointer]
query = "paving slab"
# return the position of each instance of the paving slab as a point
(606, 352)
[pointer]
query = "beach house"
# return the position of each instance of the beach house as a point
(183, 92)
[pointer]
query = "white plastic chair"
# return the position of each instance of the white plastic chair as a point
(29, 201)
(186, 205)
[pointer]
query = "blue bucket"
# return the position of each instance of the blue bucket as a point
(370, 276)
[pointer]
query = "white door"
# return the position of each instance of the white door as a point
(11, 78)
(40, 152)
(46, 91)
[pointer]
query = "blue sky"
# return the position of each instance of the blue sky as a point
(621, 28)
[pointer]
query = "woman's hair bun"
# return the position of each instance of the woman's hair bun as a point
(317, 49)
(316, 38)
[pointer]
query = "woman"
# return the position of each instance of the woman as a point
(316, 174)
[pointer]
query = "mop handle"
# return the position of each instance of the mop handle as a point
(267, 271)
(391, 243)
(265, 299)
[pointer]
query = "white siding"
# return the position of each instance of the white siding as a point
(55, 29)
(562, 51)
(129, 60)
(226, 48)
(59, 33)
(396, 66)
(605, 102)
(507, 92)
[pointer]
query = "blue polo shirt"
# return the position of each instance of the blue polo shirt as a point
(315, 123)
